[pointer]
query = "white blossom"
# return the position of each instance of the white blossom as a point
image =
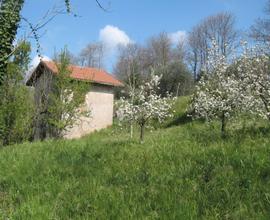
(217, 94)
(225, 88)
(145, 105)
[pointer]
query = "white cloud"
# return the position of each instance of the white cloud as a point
(112, 37)
(178, 36)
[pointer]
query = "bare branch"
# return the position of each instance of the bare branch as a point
(101, 6)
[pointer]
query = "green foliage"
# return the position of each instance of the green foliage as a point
(10, 18)
(67, 3)
(9, 21)
(66, 101)
(183, 172)
(176, 79)
(21, 56)
(16, 113)
(16, 104)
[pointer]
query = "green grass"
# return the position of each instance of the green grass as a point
(181, 172)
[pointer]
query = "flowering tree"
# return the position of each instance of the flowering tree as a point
(217, 94)
(241, 85)
(146, 105)
(254, 78)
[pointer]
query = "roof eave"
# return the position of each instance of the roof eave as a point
(29, 82)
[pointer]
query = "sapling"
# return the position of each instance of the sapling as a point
(146, 105)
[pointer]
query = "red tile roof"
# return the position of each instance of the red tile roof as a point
(84, 73)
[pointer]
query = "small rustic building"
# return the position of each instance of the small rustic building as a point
(99, 99)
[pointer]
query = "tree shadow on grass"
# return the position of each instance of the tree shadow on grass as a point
(180, 120)
(236, 136)
(252, 131)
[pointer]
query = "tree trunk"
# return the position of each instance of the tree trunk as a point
(195, 67)
(142, 127)
(265, 102)
(223, 125)
(131, 130)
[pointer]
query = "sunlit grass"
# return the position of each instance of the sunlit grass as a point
(182, 172)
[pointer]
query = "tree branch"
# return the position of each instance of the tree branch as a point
(101, 6)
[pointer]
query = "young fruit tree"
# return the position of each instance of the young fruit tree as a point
(146, 106)
(217, 94)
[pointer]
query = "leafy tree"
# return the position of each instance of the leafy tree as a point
(66, 101)
(16, 103)
(9, 22)
(176, 79)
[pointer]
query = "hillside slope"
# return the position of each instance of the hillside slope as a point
(182, 172)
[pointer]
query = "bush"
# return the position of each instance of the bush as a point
(16, 109)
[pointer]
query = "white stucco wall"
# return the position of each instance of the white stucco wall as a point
(100, 102)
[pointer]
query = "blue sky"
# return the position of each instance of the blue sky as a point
(129, 20)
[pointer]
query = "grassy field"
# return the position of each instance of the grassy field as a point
(183, 171)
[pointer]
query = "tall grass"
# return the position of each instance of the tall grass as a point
(182, 172)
